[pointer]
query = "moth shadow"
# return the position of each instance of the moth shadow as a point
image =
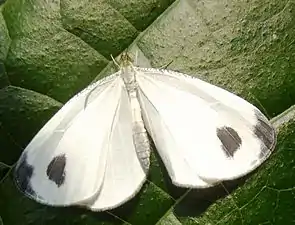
(74, 213)
(128, 208)
(124, 211)
(197, 201)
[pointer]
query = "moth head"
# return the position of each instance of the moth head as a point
(125, 60)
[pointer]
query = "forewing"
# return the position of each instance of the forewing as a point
(201, 130)
(65, 162)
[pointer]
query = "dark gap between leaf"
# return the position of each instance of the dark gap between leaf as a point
(197, 201)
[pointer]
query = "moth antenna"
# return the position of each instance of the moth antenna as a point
(166, 65)
(115, 62)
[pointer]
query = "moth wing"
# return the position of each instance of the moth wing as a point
(65, 162)
(126, 162)
(203, 133)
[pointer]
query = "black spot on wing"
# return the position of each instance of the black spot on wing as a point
(56, 169)
(266, 134)
(230, 140)
(22, 175)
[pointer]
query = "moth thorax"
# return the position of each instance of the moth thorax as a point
(128, 76)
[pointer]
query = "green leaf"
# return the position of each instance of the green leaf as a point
(4, 46)
(4, 38)
(50, 50)
(3, 76)
(22, 113)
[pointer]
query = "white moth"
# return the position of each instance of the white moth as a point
(95, 150)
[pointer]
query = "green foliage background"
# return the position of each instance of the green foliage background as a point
(51, 49)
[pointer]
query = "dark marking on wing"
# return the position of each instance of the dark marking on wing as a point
(230, 140)
(22, 175)
(266, 133)
(56, 169)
